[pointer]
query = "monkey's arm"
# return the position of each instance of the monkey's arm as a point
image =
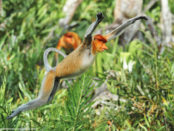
(120, 29)
(90, 30)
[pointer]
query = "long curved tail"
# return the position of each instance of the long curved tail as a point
(46, 64)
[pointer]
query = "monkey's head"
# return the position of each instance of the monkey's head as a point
(72, 39)
(69, 41)
(98, 43)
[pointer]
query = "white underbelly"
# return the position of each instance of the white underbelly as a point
(88, 59)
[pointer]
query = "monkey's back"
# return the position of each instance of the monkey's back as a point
(75, 63)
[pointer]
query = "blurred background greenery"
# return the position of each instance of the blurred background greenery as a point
(142, 76)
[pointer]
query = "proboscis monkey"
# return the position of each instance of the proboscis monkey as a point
(74, 64)
(69, 41)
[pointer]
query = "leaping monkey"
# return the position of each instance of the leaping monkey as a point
(73, 64)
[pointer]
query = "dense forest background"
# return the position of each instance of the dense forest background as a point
(130, 86)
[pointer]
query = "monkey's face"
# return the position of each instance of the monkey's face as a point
(99, 43)
(72, 40)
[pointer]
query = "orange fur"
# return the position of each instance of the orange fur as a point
(71, 64)
(69, 41)
(49, 81)
(98, 43)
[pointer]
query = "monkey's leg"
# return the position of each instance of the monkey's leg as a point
(44, 94)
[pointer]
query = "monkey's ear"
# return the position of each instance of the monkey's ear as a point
(120, 29)
(90, 30)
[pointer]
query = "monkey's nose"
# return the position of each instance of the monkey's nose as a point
(104, 47)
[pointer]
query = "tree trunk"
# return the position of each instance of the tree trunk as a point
(166, 25)
(69, 10)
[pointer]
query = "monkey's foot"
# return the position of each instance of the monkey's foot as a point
(14, 113)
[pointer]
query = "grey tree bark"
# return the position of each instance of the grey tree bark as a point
(69, 10)
(124, 10)
(166, 24)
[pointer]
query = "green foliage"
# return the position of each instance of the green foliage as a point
(171, 5)
(75, 115)
(142, 76)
